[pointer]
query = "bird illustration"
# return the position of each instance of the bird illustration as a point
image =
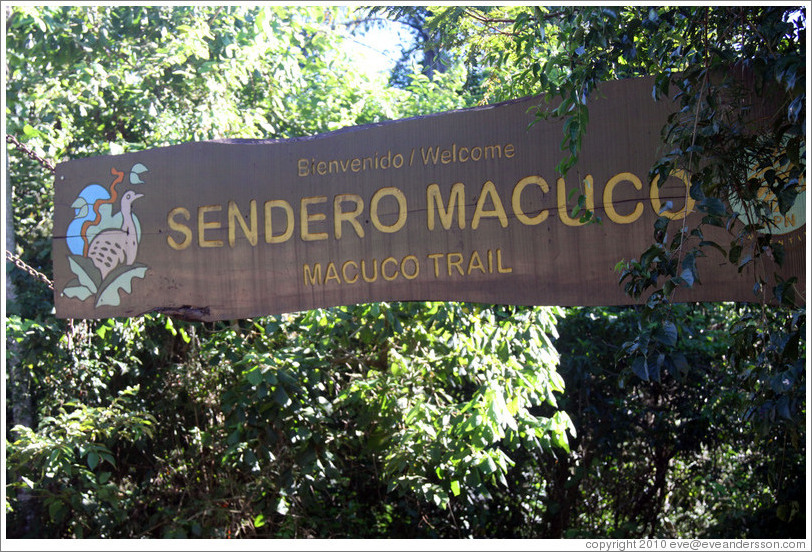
(114, 246)
(84, 210)
(97, 211)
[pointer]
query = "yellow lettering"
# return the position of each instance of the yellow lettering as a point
(562, 201)
(478, 264)
(435, 199)
(489, 190)
(657, 205)
(340, 216)
(285, 206)
(416, 264)
(235, 215)
(202, 225)
(516, 200)
(307, 218)
(501, 269)
(402, 211)
(383, 266)
(178, 227)
(456, 263)
(312, 277)
(608, 202)
(347, 279)
(436, 258)
(331, 273)
(495, 152)
(374, 271)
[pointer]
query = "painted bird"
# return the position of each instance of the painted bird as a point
(85, 211)
(114, 246)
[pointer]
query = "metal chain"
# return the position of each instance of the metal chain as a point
(21, 264)
(73, 332)
(32, 155)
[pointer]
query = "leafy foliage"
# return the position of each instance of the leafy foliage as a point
(410, 419)
(301, 419)
(674, 454)
(70, 460)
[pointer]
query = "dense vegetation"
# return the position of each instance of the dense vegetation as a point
(406, 419)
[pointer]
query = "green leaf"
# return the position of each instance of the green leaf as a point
(57, 511)
(688, 276)
(30, 131)
(77, 292)
(281, 397)
(640, 367)
(455, 488)
(667, 334)
(135, 173)
(85, 271)
(735, 253)
(487, 465)
(92, 460)
(560, 440)
(254, 377)
(109, 295)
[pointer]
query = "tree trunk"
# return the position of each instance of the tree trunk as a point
(18, 385)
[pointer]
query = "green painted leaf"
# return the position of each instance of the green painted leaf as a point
(77, 292)
(87, 273)
(123, 281)
(135, 173)
(80, 204)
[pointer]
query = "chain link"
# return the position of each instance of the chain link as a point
(18, 262)
(31, 154)
(73, 331)
(22, 265)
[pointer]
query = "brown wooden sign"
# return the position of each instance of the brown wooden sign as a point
(464, 205)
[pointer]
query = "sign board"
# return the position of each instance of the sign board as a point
(464, 205)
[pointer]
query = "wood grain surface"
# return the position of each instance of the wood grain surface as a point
(465, 205)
